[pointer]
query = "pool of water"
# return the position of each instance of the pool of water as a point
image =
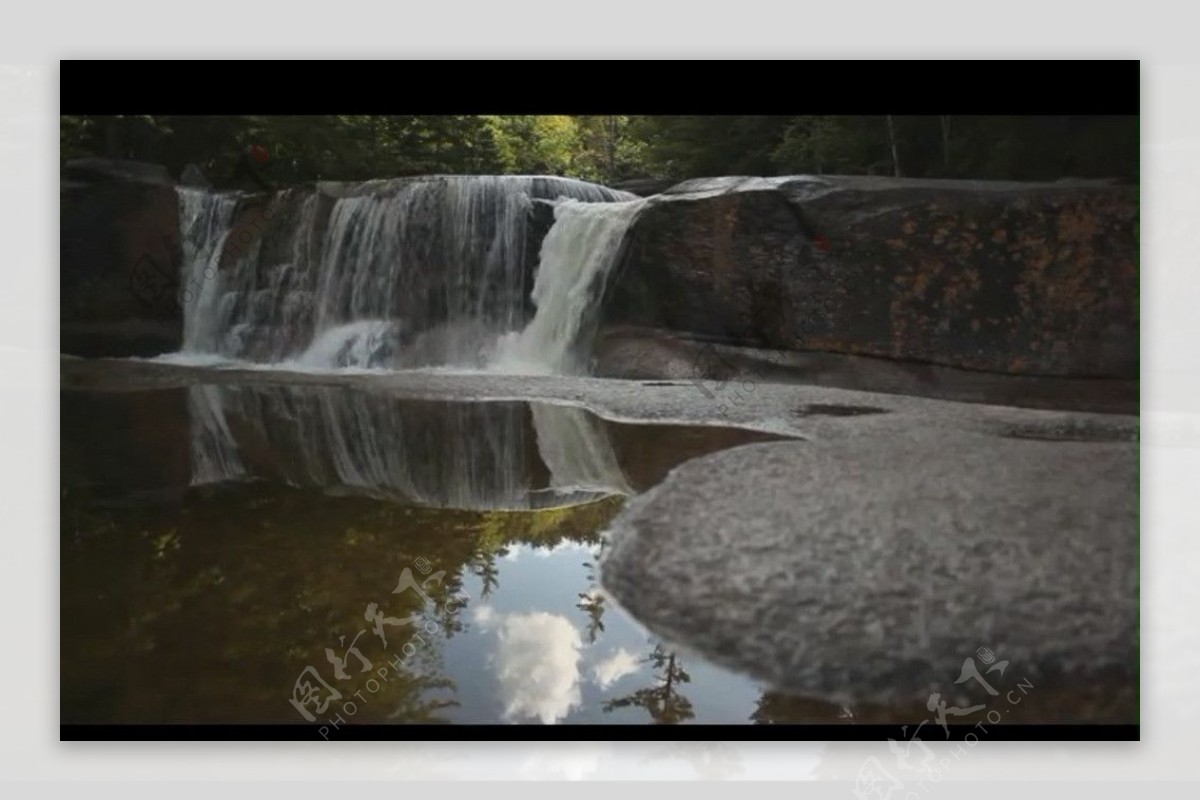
(277, 553)
(290, 552)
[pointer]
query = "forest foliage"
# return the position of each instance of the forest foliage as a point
(613, 149)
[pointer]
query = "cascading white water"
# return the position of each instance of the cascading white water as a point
(404, 273)
(205, 220)
(577, 256)
(357, 343)
(409, 273)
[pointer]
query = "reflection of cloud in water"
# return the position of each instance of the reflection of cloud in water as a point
(537, 663)
(483, 615)
(542, 551)
(608, 671)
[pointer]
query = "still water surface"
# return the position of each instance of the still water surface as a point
(288, 553)
(218, 539)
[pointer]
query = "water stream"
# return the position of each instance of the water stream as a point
(408, 273)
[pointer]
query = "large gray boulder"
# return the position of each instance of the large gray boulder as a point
(867, 570)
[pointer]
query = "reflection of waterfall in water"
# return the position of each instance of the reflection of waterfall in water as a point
(404, 273)
(433, 453)
(214, 452)
(578, 254)
(575, 448)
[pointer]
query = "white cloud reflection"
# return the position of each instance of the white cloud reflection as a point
(537, 664)
(483, 615)
(608, 671)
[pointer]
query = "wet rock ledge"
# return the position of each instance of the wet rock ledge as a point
(1007, 277)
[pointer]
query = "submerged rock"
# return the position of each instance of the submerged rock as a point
(867, 570)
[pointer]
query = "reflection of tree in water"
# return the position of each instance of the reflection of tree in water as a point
(663, 700)
(483, 567)
(423, 694)
(591, 602)
(230, 593)
(776, 707)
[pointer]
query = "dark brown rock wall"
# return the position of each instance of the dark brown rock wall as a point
(119, 261)
(1037, 279)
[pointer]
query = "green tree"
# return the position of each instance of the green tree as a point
(610, 148)
(533, 145)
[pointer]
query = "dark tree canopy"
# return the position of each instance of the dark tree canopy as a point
(611, 149)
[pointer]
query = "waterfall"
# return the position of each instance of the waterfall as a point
(577, 256)
(205, 220)
(401, 273)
